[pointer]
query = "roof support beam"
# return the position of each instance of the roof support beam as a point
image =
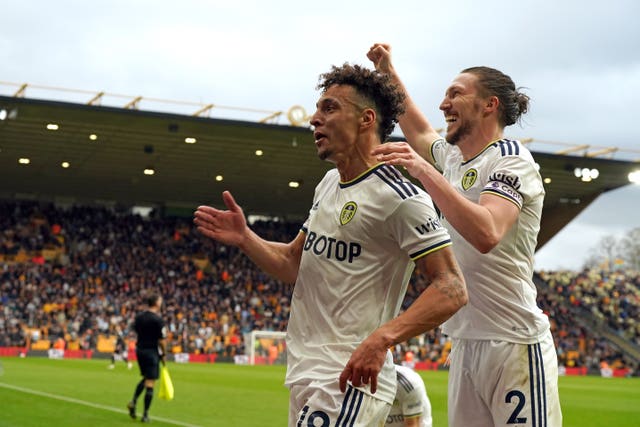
(203, 110)
(271, 117)
(573, 149)
(133, 104)
(21, 91)
(602, 152)
(96, 99)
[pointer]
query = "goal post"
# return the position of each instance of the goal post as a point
(266, 347)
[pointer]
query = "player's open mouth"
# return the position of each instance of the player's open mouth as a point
(450, 119)
(317, 136)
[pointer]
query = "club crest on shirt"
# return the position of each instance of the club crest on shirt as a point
(469, 178)
(348, 212)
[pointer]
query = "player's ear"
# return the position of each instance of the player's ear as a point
(492, 103)
(368, 118)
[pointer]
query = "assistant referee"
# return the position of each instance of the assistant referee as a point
(150, 351)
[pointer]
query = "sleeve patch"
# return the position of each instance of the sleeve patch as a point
(504, 190)
(437, 152)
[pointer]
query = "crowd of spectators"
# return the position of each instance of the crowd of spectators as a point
(606, 300)
(73, 274)
(81, 272)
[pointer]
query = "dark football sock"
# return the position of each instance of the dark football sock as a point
(148, 396)
(138, 391)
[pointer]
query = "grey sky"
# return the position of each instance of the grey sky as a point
(579, 60)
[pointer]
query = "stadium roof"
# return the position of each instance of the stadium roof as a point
(108, 148)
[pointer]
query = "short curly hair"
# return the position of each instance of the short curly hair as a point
(376, 88)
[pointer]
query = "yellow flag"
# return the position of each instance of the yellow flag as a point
(166, 385)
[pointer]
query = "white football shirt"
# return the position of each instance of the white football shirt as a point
(502, 295)
(411, 399)
(362, 238)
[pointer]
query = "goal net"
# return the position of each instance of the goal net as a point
(266, 348)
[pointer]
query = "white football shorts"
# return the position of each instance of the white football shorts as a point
(498, 383)
(323, 405)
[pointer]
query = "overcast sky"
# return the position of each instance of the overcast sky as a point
(579, 60)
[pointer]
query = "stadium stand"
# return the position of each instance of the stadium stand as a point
(71, 276)
(594, 314)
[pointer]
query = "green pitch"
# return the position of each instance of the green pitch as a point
(41, 392)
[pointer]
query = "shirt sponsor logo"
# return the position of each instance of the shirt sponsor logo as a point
(469, 179)
(332, 248)
(348, 212)
(511, 180)
(432, 224)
